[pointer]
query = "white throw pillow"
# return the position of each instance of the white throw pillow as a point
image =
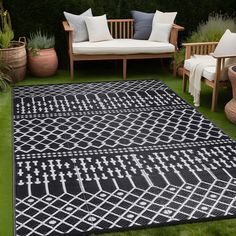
(77, 22)
(161, 33)
(161, 26)
(98, 28)
(227, 45)
(164, 17)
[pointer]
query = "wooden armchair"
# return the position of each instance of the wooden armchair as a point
(206, 48)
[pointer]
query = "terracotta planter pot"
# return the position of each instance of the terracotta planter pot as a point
(16, 58)
(230, 108)
(43, 63)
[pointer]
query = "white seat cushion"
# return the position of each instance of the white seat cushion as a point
(122, 46)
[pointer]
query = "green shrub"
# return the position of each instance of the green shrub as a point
(213, 29)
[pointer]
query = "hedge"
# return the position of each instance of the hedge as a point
(30, 15)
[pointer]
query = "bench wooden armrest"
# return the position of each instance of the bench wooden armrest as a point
(178, 27)
(199, 44)
(67, 26)
(174, 35)
(199, 48)
(69, 31)
(225, 56)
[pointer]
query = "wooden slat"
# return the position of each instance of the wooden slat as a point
(116, 30)
(127, 30)
(132, 29)
(201, 49)
(197, 51)
(111, 28)
(120, 30)
(124, 30)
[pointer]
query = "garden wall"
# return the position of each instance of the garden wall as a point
(30, 15)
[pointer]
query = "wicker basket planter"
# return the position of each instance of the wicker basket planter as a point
(230, 108)
(15, 57)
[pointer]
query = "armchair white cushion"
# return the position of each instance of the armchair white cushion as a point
(226, 46)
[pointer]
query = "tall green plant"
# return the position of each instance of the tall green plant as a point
(6, 32)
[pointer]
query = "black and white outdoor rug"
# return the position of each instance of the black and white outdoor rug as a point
(99, 157)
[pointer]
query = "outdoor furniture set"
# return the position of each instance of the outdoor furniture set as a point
(147, 36)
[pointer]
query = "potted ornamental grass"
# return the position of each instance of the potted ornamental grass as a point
(42, 57)
(12, 53)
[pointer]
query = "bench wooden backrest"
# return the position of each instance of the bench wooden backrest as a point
(204, 48)
(121, 28)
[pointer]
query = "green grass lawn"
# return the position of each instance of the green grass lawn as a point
(214, 228)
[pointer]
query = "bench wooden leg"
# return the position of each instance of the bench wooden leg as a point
(71, 69)
(184, 82)
(174, 69)
(124, 68)
(215, 95)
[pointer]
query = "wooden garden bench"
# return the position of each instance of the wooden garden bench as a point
(119, 29)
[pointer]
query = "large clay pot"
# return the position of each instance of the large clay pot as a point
(230, 108)
(43, 63)
(15, 57)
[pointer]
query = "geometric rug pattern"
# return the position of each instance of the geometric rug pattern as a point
(99, 157)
